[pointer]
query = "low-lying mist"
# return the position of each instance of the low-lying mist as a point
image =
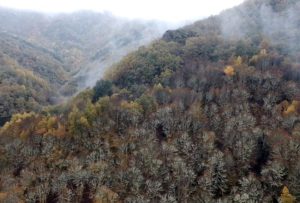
(85, 42)
(276, 21)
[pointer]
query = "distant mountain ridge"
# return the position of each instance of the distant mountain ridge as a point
(81, 38)
(69, 52)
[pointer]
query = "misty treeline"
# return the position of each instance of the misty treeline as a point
(46, 59)
(209, 113)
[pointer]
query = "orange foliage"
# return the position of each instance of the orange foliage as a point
(16, 192)
(3, 196)
(106, 195)
(229, 71)
(291, 108)
(50, 126)
(20, 125)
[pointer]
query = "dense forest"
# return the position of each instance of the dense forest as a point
(209, 113)
(45, 59)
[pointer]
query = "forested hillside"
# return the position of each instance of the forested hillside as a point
(209, 113)
(47, 58)
(28, 76)
(85, 41)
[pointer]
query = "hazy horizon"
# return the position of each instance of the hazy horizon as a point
(169, 11)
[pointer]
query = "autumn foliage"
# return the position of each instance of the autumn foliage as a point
(197, 116)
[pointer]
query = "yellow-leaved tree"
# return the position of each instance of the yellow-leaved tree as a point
(292, 108)
(229, 71)
(238, 61)
(286, 197)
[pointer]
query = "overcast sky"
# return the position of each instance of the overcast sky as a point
(167, 10)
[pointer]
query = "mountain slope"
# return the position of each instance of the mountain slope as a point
(47, 65)
(198, 116)
(65, 52)
(28, 76)
(87, 42)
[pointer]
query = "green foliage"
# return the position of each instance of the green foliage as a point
(101, 89)
(148, 103)
(21, 90)
(161, 95)
(143, 66)
(210, 48)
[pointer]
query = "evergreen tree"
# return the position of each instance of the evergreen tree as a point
(219, 182)
(101, 89)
